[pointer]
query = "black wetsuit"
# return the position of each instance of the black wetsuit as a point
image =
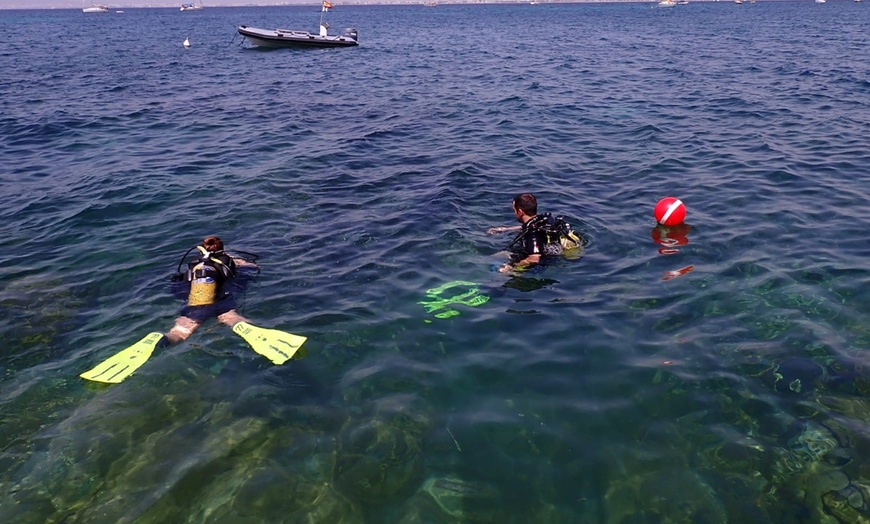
(530, 242)
(538, 237)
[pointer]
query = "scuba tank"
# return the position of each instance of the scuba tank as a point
(207, 273)
(203, 285)
(206, 276)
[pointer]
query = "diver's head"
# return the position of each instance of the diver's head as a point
(213, 244)
(525, 207)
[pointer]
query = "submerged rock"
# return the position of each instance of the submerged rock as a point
(450, 499)
(42, 310)
(378, 460)
(664, 496)
(839, 506)
(814, 442)
(795, 376)
(468, 501)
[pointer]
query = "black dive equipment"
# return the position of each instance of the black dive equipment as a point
(207, 273)
(557, 230)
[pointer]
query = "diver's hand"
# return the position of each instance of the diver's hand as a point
(506, 268)
(496, 230)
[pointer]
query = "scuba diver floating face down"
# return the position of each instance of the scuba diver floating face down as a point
(207, 277)
(206, 280)
(540, 235)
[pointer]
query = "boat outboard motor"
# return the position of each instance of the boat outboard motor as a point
(351, 33)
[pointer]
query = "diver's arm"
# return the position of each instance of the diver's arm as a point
(520, 265)
(503, 229)
(241, 262)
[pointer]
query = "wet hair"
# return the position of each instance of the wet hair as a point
(213, 244)
(527, 203)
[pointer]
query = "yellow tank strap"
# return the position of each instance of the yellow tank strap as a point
(217, 261)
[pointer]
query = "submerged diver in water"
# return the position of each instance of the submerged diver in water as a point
(209, 277)
(540, 235)
(206, 283)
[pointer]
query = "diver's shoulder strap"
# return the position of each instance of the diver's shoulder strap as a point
(540, 222)
(517, 238)
(220, 261)
(224, 263)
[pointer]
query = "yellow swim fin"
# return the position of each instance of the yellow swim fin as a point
(275, 345)
(120, 366)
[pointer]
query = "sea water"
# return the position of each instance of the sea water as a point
(715, 372)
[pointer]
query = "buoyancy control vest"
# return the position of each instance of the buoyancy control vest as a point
(556, 230)
(206, 276)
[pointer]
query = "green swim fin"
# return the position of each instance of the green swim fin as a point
(275, 345)
(120, 366)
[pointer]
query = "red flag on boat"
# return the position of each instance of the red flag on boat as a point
(326, 5)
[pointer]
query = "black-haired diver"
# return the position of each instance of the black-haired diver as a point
(208, 277)
(540, 235)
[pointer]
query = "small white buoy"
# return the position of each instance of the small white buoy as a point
(186, 43)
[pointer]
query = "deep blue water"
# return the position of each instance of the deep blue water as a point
(721, 379)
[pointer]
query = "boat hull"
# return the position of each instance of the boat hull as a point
(290, 38)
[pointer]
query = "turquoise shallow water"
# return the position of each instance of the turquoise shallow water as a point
(721, 379)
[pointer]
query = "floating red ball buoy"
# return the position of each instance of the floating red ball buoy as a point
(670, 211)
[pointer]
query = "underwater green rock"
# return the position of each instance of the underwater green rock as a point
(666, 496)
(464, 500)
(451, 499)
(39, 310)
(838, 506)
(378, 460)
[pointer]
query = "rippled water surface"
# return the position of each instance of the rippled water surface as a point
(715, 372)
